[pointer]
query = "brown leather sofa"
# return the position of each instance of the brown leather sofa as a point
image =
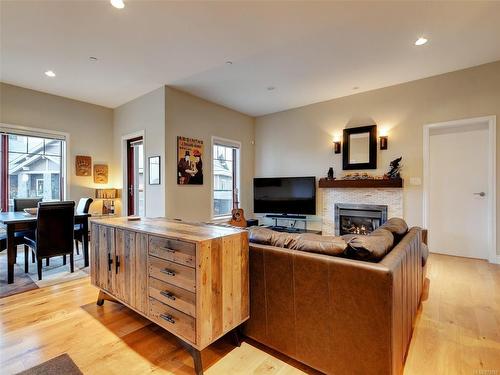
(336, 315)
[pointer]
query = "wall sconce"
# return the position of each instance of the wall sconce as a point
(336, 147)
(383, 142)
(336, 144)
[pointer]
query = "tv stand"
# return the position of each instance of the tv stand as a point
(292, 228)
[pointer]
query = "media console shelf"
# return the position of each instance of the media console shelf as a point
(368, 183)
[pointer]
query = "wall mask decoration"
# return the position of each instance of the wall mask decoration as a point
(100, 173)
(189, 161)
(83, 165)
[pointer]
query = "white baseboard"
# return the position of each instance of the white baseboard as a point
(495, 260)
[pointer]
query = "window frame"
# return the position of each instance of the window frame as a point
(41, 133)
(225, 142)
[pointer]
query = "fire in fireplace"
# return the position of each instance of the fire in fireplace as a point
(358, 218)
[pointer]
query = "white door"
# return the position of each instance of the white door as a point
(458, 191)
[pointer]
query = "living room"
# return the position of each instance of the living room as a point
(329, 167)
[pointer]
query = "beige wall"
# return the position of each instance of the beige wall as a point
(144, 114)
(89, 127)
(190, 116)
(299, 141)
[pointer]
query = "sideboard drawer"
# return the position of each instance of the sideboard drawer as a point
(172, 319)
(173, 273)
(173, 296)
(173, 250)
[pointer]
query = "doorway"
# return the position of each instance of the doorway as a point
(135, 176)
(459, 187)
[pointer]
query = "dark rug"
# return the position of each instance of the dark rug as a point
(54, 274)
(55, 366)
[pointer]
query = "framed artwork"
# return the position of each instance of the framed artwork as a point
(100, 173)
(154, 170)
(83, 165)
(189, 161)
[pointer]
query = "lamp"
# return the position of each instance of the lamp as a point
(383, 142)
(384, 139)
(336, 144)
(108, 197)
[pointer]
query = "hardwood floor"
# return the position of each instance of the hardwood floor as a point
(457, 332)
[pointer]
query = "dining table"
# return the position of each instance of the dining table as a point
(22, 221)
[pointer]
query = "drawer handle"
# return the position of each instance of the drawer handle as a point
(168, 249)
(168, 318)
(168, 272)
(169, 295)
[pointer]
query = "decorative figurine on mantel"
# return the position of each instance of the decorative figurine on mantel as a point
(331, 174)
(395, 171)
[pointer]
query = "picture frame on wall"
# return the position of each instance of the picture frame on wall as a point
(189, 161)
(100, 173)
(83, 165)
(154, 170)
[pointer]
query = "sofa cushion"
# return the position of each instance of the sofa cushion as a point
(397, 227)
(260, 235)
(266, 236)
(315, 243)
(372, 247)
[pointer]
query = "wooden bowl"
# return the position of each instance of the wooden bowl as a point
(31, 211)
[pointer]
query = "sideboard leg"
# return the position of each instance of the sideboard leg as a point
(196, 354)
(100, 298)
(105, 297)
(236, 337)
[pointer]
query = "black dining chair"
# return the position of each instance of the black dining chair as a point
(54, 233)
(21, 203)
(82, 208)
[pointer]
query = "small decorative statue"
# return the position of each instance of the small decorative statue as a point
(395, 171)
(330, 175)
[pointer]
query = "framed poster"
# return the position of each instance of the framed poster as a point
(83, 165)
(100, 173)
(154, 170)
(189, 161)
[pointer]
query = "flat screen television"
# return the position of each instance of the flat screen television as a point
(285, 195)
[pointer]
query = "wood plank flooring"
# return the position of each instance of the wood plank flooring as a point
(457, 331)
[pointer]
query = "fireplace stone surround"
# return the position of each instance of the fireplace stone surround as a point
(390, 197)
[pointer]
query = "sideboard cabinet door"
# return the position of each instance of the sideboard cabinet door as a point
(102, 256)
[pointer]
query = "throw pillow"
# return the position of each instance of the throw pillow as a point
(372, 247)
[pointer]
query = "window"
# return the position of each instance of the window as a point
(32, 167)
(225, 170)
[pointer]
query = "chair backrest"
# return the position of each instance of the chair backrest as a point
(84, 205)
(54, 228)
(22, 203)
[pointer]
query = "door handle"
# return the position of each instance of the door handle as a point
(110, 262)
(117, 263)
(481, 194)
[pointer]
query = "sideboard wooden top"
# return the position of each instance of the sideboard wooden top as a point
(169, 228)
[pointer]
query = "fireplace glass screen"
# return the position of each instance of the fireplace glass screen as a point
(358, 218)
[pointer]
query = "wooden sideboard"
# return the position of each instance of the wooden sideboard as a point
(191, 279)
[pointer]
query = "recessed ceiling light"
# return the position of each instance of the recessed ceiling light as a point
(355, 88)
(119, 4)
(50, 73)
(93, 58)
(229, 62)
(420, 41)
(271, 88)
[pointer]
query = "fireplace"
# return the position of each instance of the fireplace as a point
(358, 218)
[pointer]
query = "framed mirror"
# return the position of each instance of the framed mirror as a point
(359, 149)
(154, 170)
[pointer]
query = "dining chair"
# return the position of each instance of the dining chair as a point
(54, 233)
(83, 207)
(21, 203)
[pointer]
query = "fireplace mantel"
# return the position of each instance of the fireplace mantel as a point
(363, 184)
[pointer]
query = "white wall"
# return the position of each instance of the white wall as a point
(89, 127)
(190, 116)
(144, 114)
(299, 141)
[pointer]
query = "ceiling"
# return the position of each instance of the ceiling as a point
(309, 51)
